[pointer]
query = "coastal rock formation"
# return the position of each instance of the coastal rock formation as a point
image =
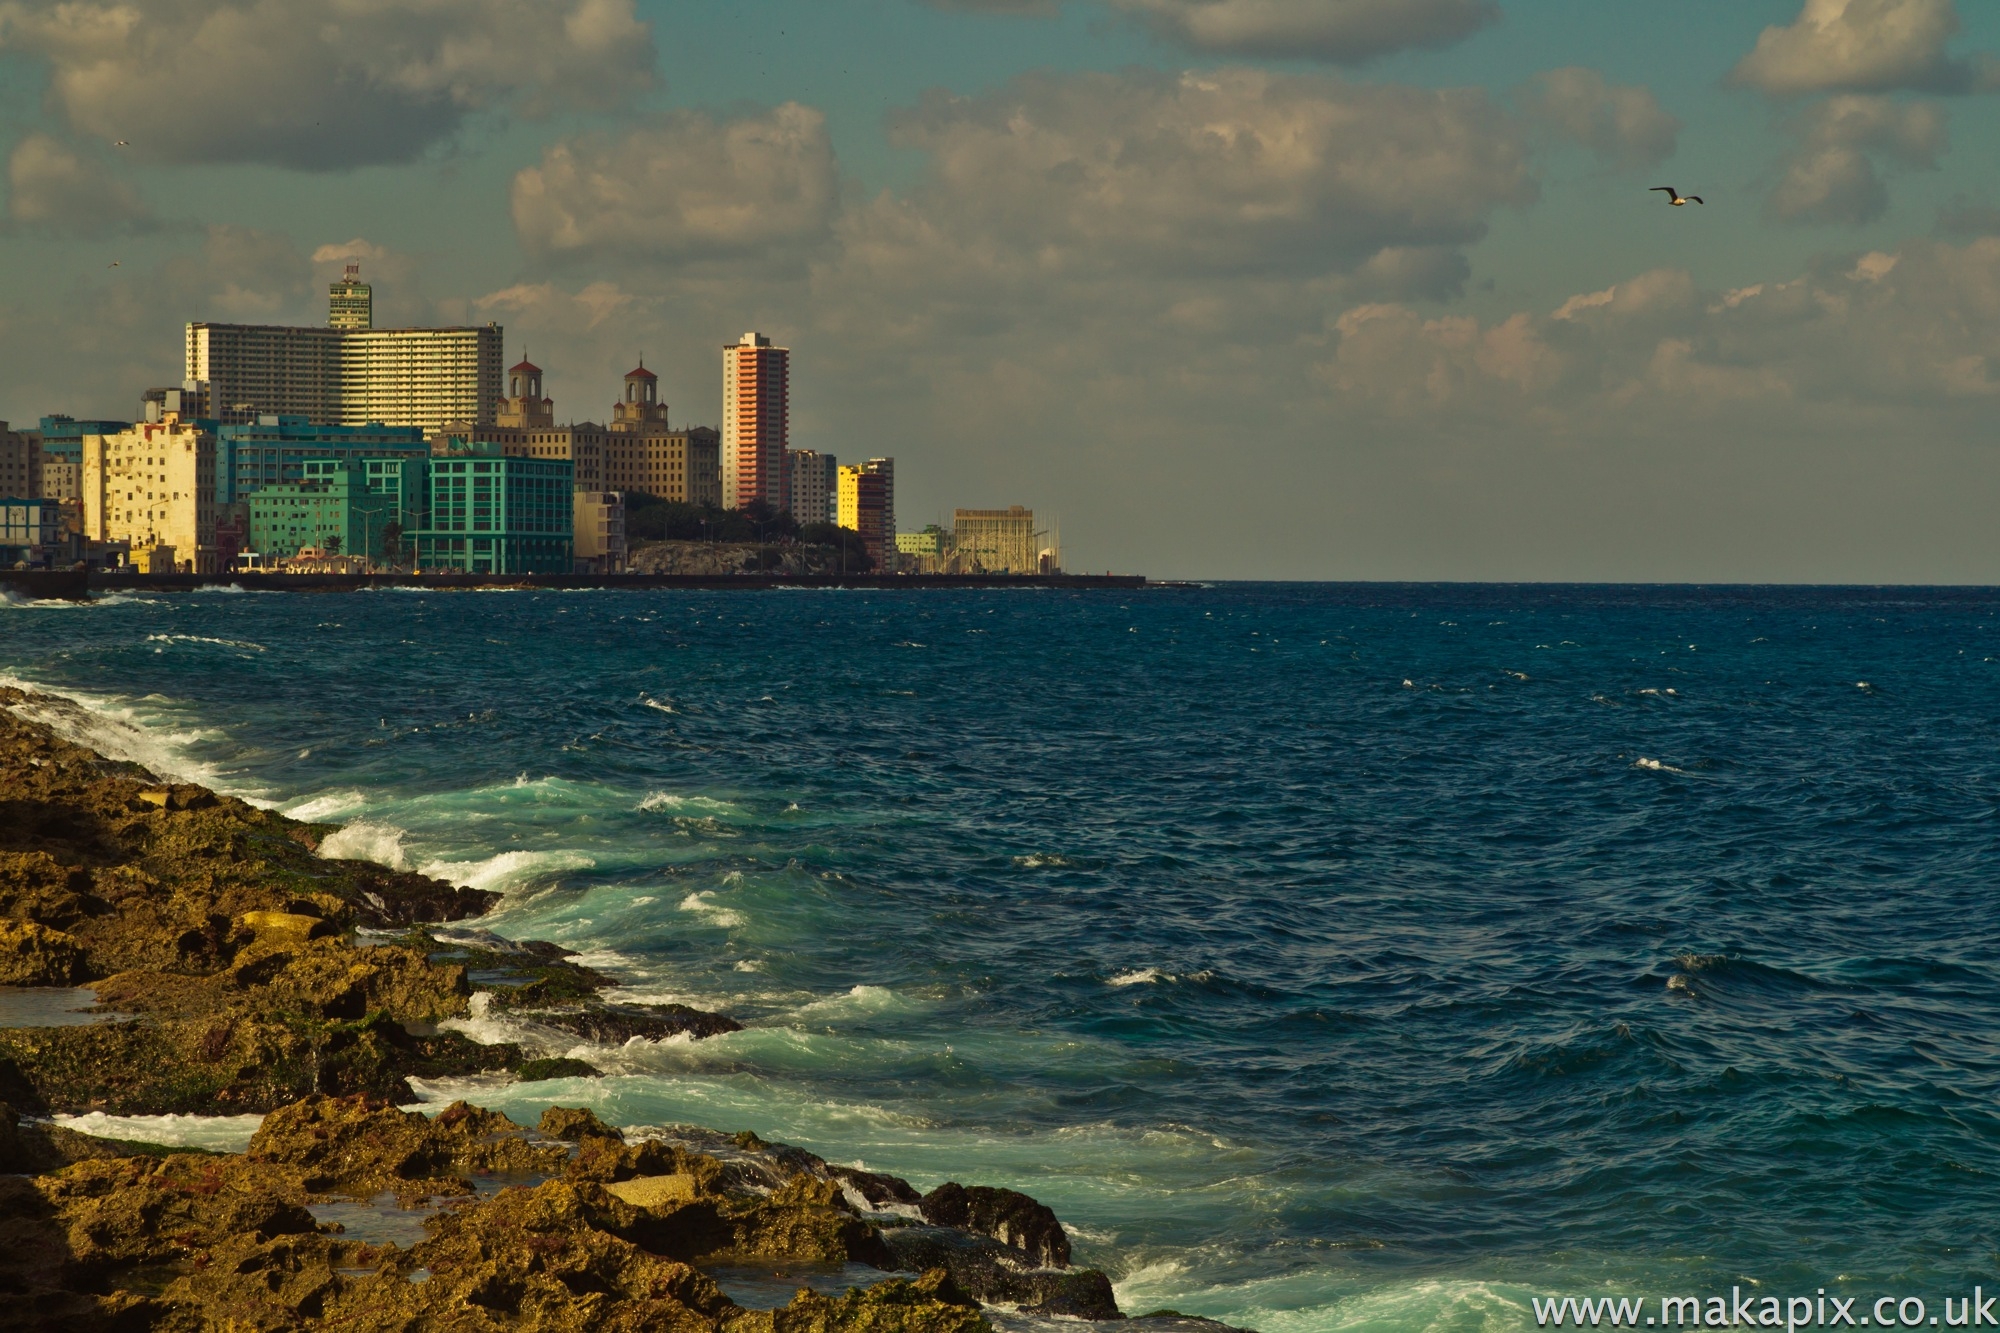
(245, 973)
(1010, 1217)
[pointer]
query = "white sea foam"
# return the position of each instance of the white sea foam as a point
(858, 1001)
(661, 704)
(1037, 860)
(221, 1133)
(1655, 766)
(508, 870)
(119, 729)
(1144, 976)
(364, 840)
(203, 638)
(704, 903)
(326, 806)
(666, 800)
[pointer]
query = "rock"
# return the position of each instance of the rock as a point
(575, 1124)
(654, 1191)
(614, 1025)
(1000, 1274)
(880, 1192)
(540, 1071)
(357, 1147)
(1008, 1216)
(1173, 1321)
(285, 927)
(931, 1304)
(34, 955)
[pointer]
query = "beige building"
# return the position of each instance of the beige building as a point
(642, 453)
(996, 541)
(154, 487)
(600, 531)
(349, 376)
(20, 464)
(815, 486)
(524, 425)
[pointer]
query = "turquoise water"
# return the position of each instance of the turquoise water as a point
(1329, 957)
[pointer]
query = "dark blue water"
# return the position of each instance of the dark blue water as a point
(1329, 956)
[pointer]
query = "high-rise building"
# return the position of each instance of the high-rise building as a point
(350, 303)
(885, 468)
(153, 485)
(348, 376)
(815, 486)
(861, 510)
(756, 413)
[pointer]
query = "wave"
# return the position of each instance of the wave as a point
(321, 808)
(364, 840)
(857, 1002)
(203, 638)
(1655, 766)
(666, 800)
(1039, 860)
(119, 729)
(508, 870)
(219, 1133)
(1151, 976)
(703, 904)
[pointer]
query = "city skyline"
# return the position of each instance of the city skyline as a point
(1296, 288)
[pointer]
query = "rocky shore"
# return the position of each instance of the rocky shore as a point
(237, 971)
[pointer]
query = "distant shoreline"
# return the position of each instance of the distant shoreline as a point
(71, 585)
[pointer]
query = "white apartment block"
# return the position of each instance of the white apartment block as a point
(815, 488)
(350, 376)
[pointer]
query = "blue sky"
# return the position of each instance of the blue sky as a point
(1284, 288)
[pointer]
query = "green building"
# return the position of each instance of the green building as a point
(491, 514)
(333, 508)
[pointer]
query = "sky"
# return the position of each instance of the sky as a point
(1326, 289)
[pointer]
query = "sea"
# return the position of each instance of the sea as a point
(1327, 956)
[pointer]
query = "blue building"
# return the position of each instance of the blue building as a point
(275, 449)
(62, 437)
(491, 514)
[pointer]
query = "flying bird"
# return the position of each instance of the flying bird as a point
(112, 264)
(1675, 197)
(122, 143)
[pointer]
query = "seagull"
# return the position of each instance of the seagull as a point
(1675, 197)
(112, 264)
(122, 143)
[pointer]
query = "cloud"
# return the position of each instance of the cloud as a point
(320, 84)
(1831, 173)
(1340, 32)
(686, 187)
(1625, 127)
(1225, 172)
(1920, 326)
(53, 187)
(1860, 46)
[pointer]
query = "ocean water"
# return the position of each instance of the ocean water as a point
(1329, 957)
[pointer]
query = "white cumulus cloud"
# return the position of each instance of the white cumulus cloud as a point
(1831, 173)
(1859, 46)
(53, 187)
(320, 84)
(686, 187)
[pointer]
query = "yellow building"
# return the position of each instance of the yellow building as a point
(154, 486)
(861, 508)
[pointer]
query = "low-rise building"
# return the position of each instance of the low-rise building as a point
(62, 453)
(924, 552)
(333, 509)
(996, 541)
(32, 532)
(815, 486)
(491, 513)
(20, 463)
(599, 532)
(153, 485)
(275, 448)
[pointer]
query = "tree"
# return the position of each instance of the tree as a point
(392, 542)
(851, 553)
